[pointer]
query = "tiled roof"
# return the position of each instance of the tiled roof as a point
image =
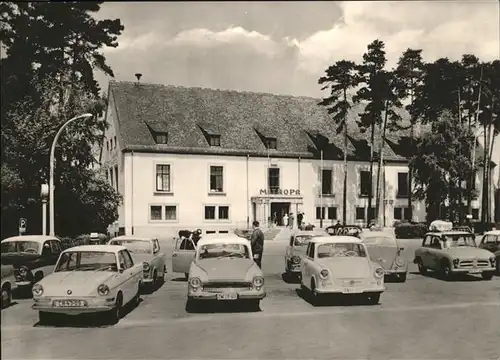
(301, 126)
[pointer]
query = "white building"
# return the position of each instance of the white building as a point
(187, 158)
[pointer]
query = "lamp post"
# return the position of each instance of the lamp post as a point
(473, 180)
(51, 176)
(44, 193)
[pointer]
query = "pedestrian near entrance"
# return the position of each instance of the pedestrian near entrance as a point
(290, 220)
(300, 217)
(257, 241)
(285, 220)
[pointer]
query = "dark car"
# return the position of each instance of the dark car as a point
(33, 257)
(351, 230)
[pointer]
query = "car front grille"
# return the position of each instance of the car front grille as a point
(474, 263)
(223, 286)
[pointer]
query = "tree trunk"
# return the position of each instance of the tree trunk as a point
(344, 190)
(370, 192)
(380, 164)
(485, 161)
(410, 176)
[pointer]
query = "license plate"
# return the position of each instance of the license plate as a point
(70, 303)
(474, 271)
(227, 296)
(351, 290)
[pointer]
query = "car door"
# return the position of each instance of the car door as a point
(435, 253)
(306, 264)
(159, 257)
(489, 242)
(424, 251)
(289, 251)
(135, 272)
(126, 276)
(182, 255)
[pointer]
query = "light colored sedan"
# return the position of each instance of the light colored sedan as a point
(297, 248)
(224, 270)
(341, 265)
(89, 279)
(146, 251)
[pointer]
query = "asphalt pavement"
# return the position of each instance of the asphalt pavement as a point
(424, 318)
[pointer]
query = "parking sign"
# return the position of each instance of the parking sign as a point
(22, 225)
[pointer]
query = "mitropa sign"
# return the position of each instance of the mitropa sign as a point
(286, 192)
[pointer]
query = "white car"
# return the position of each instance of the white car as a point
(183, 254)
(89, 279)
(341, 265)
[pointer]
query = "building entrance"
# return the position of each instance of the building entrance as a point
(278, 210)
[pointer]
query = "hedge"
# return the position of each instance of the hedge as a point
(410, 231)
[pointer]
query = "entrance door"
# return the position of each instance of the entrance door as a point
(280, 209)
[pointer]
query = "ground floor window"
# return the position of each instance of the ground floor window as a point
(360, 213)
(475, 214)
(216, 212)
(401, 212)
(320, 213)
(162, 212)
(331, 211)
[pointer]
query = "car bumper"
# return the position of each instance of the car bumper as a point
(474, 270)
(347, 290)
(94, 305)
(241, 295)
(395, 271)
(23, 284)
(294, 269)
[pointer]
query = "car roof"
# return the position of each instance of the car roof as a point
(132, 237)
(310, 232)
(96, 248)
(376, 233)
(492, 232)
(37, 238)
(222, 239)
(452, 232)
(336, 239)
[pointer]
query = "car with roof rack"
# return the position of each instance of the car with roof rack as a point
(450, 252)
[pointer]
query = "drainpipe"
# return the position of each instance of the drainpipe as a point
(298, 174)
(248, 196)
(132, 196)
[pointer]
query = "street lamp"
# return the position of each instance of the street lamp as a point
(476, 136)
(51, 176)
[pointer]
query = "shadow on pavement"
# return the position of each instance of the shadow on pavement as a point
(12, 303)
(290, 278)
(22, 293)
(85, 320)
(210, 307)
(148, 289)
(456, 278)
(333, 300)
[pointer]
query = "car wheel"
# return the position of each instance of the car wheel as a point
(44, 318)
(373, 299)
(6, 297)
(114, 314)
(446, 271)
(487, 275)
(315, 297)
(137, 297)
(421, 268)
(402, 277)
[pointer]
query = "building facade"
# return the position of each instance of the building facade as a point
(181, 166)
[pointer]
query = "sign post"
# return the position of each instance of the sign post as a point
(44, 194)
(22, 226)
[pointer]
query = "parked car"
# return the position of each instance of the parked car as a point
(183, 254)
(8, 285)
(385, 249)
(224, 270)
(89, 279)
(341, 265)
(297, 248)
(450, 253)
(146, 251)
(33, 257)
(491, 242)
(345, 230)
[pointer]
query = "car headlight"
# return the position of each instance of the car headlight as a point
(145, 266)
(400, 262)
(258, 281)
(492, 261)
(296, 259)
(379, 272)
(23, 271)
(37, 290)
(195, 282)
(456, 262)
(323, 274)
(103, 290)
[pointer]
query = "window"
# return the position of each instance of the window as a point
(111, 176)
(128, 259)
(398, 213)
(111, 144)
(116, 177)
(156, 246)
(360, 213)
(365, 183)
(121, 260)
(332, 213)
(216, 178)
(271, 143)
(209, 212)
(326, 182)
(161, 138)
(273, 179)
(310, 250)
(320, 213)
(223, 232)
(170, 212)
(427, 241)
(475, 214)
(371, 213)
(223, 212)
(214, 140)
(155, 212)
(115, 141)
(163, 178)
(107, 145)
(210, 231)
(402, 184)
(491, 239)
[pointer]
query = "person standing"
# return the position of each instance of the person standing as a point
(300, 216)
(285, 220)
(290, 220)
(257, 242)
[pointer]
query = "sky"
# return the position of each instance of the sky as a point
(284, 47)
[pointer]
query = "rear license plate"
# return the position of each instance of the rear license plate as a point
(70, 303)
(350, 290)
(227, 296)
(474, 271)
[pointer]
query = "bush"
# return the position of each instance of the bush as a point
(410, 231)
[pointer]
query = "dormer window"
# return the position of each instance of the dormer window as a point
(161, 137)
(271, 143)
(214, 140)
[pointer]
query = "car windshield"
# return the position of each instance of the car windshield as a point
(211, 251)
(30, 247)
(341, 250)
(134, 246)
(380, 240)
(451, 241)
(87, 261)
(303, 240)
